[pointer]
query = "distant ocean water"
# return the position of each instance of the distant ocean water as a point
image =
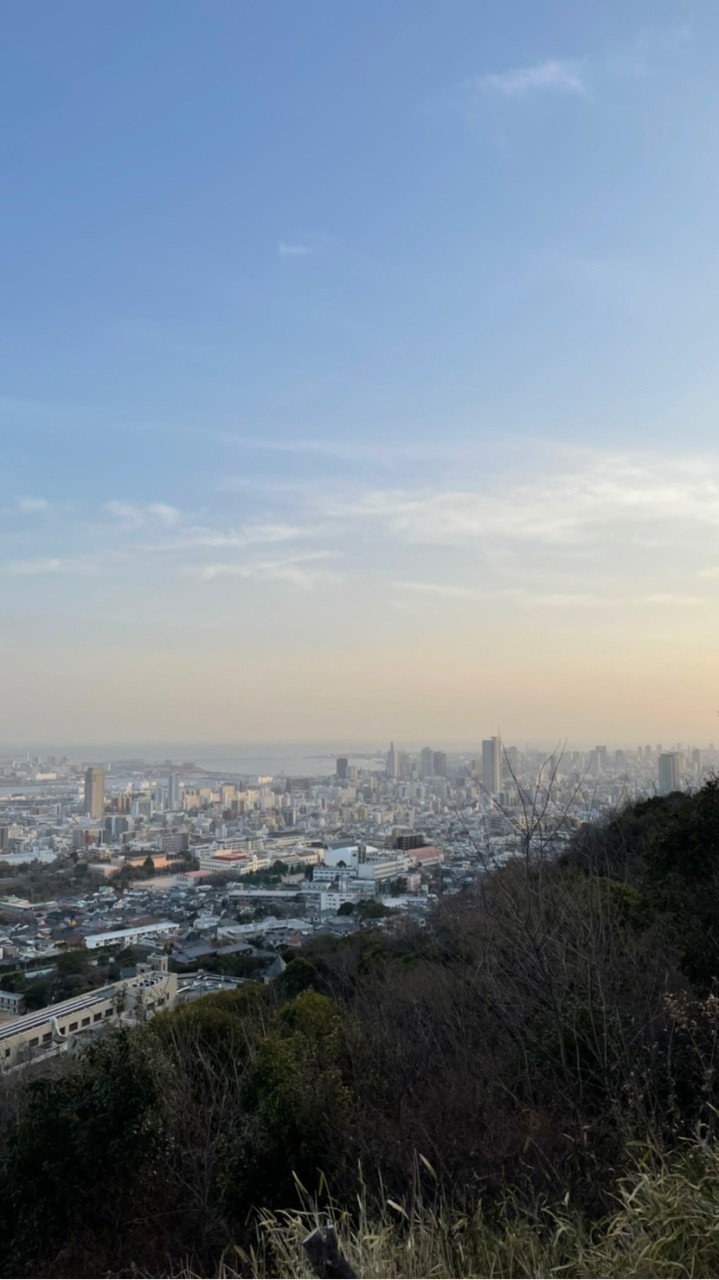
(311, 759)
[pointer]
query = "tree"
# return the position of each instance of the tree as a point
(371, 909)
(38, 993)
(683, 870)
(72, 1162)
(297, 1101)
(74, 960)
(396, 887)
(300, 975)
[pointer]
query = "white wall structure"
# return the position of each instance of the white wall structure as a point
(57, 1027)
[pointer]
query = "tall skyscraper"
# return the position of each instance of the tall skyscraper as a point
(492, 765)
(94, 805)
(173, 791)
(439, 764)
(426, 763)
(343, 766)
(392, 769)
(669, 772)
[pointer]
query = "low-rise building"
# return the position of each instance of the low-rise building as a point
(128, 937)
(11, 1002)
(56, 1028)
(429, 856)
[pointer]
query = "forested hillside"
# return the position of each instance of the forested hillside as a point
(468, 1088)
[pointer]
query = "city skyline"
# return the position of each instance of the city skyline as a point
(356, 374)
(488, 762)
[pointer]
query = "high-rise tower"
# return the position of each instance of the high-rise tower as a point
(94, 805)
(392, 762)
(439, 764)
(173, 791)
(492, 765)
(669, 772)
(426, 765)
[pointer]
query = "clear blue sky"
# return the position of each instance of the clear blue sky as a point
(343, 343)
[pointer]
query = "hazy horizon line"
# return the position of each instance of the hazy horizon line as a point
(346, 745)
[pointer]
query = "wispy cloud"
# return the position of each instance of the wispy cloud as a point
(456, 591)
(31, 506)
(379, 452)
(555, 75)
(569, 600)
(597, 600)
(673, 599)
(538, 527)
(164, 513)
(247, 536)
(256, 485)
(135, 515)
(48, 564)
(289, 249)
(131, 516)
(644, 54)
(445, 589)
(292, 570)
(564, 507)
(527, 599)
(640, 57)
(521, 597)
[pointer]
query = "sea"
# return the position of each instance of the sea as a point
(250, 759)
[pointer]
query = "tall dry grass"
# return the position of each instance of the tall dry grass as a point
(666, 1224)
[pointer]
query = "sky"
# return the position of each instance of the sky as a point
(358, 370)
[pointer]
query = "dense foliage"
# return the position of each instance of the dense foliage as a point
(522, 1044)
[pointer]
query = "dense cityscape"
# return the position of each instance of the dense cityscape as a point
(131, 886)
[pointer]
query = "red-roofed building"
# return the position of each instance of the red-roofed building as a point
(429, 856)
(225, 860)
